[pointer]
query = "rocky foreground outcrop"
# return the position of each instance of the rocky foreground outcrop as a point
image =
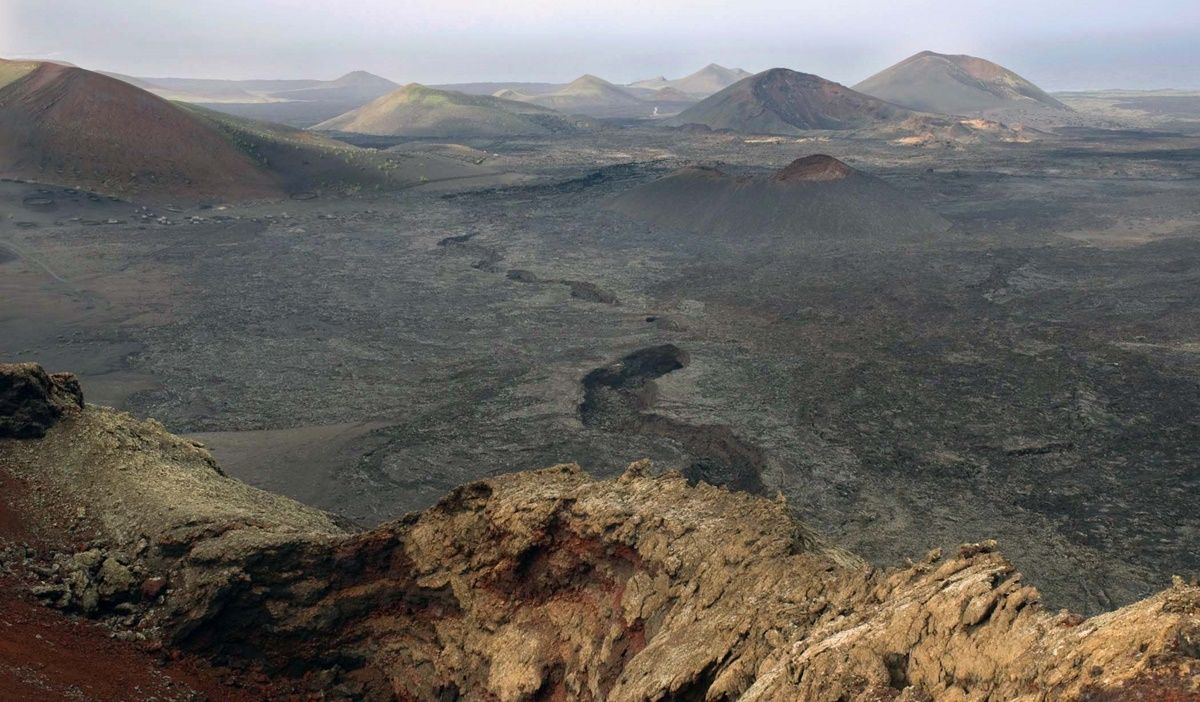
(549, 585)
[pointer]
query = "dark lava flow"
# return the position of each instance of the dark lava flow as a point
(489, 262)
(617, 398)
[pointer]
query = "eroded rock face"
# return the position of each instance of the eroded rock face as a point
(549, 585)
(31, 400)
(545, 585)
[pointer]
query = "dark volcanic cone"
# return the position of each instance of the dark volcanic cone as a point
(780, 101)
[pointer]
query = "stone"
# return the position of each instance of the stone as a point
(114, 579)
(32, 401)
(89, 601)
(87, 560)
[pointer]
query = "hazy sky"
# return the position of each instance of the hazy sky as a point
(1059, 44)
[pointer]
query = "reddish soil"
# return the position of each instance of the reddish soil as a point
(46, 656)
(38, 519)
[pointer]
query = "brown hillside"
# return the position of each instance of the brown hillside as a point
(68, 125)
(955, 84)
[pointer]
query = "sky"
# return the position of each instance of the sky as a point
(1059, 44)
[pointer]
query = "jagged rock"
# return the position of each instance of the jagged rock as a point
(32, 401)
(115, 579)
(54, 594)
(89, 600)
(551, 585)
(87, 560)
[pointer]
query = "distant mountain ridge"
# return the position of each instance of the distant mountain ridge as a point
(306, 102)
(708, 80)
(587, 94)
(352, 85)
(493, 87)
(355, 86)
(293, 102)
(420, 111)
(596, 97)
(700, 84)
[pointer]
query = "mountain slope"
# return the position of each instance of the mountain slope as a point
(74, 127)
(781, 101)
(708, 80)
(307, 162)
(418, 111)
(954, 84)
(11, 71)
(816, 198)
(68, 125)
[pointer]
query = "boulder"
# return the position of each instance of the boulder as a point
(115, 579)
(32, 400)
